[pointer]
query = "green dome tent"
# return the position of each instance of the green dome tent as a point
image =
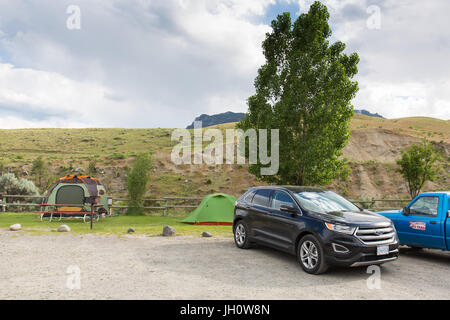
(215, 209)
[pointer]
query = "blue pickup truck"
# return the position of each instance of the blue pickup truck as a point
(424, 222)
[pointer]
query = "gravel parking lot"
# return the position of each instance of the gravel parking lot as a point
(140, 267)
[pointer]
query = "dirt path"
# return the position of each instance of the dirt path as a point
(35, 267)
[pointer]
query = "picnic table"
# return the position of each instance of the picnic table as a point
(70, 210)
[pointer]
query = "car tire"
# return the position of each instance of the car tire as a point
(310, 255)
(241, 235)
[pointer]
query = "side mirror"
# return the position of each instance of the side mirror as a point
(288, 208)
(406, 211)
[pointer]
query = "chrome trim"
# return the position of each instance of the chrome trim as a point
(366, 231)
(336, 248)
(376, 235)
(368, 263)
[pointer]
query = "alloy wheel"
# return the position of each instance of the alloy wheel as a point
(240, 235)
(309, 254)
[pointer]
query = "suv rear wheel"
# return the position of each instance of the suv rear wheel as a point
(241, 235)
(310, 255)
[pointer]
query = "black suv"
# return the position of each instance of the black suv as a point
(319, 226)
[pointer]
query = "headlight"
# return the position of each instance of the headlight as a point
(340, 228)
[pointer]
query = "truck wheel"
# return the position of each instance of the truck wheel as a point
(310, 255)
(241, 235)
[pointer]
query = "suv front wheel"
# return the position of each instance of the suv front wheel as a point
(310, 255)
(241, 235)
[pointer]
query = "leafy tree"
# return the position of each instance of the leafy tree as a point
(418, 165)
(304, 89)
(137, 182)
(39, 169)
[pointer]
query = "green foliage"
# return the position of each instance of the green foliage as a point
(148, 225)
(117, 156)
(418, 165)
(11, 185)
(137, 182)
(304, 90)
(92, 170)
(39, 169)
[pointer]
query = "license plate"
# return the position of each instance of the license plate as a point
(382, 250)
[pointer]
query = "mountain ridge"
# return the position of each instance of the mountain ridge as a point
(229, 116)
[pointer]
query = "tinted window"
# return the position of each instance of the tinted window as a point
(425, 206)
(281, 198)
(262, 197)
(324, 201)
(249, 197)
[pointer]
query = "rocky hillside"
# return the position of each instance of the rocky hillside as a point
(215, 119)
(374, 146)
(368, 113)
(229, 117)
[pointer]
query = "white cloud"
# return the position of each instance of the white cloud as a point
(148, 63)
(175, 56)
(411, 98)
(403, 69)
(46, 99)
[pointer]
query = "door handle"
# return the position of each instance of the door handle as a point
(432, 222)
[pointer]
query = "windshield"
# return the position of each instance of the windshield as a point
(324, 202)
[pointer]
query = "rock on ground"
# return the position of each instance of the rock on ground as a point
(168, 231)
(186, 267)
(15, 227)
(206, 235)
(131, 230)
(63, 228)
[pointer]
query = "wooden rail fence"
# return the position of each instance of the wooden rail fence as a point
(165, 203)
(161, 204)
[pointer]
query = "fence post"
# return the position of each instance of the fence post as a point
(4, 202)
(165, 208)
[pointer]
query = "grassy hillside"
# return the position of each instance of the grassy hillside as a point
(372, 150)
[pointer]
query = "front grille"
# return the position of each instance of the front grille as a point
(376, 235)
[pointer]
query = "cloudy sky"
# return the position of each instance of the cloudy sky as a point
(148, 63)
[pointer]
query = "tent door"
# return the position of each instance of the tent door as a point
(70, 195)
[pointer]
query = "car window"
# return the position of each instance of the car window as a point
(425, 206)
(324, 201)
(249, 197)
(281, 198)
(262, 197)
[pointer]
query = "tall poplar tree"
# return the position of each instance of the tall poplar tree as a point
(305, 90)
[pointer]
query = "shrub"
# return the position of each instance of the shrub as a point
(117, 156)
(39, 169)
(137, 183)
(9, 184)
(92, 170)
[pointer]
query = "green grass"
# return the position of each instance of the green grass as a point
(118, 225)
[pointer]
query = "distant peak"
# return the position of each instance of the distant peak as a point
(368, 113)
(220, 118)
